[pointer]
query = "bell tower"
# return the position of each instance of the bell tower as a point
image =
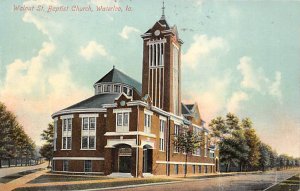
(162, 66)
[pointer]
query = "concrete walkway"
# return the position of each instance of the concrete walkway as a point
(14, 170)
(19, 182)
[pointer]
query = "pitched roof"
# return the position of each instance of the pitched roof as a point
(116, 76)
(95, 101)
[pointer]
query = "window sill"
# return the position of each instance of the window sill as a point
(161, 151)
(66, 149)
(87, 149)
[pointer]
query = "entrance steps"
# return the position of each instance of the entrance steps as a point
(120, 175)
(147, 174)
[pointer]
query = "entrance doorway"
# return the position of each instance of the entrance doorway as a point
(124, 159)
(125, 164)
(147, 159)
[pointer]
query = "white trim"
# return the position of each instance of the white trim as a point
(128, 97)
(130, 133)
(148, 112)
(89, 115)
(137, 102)
(89, 110)
(67, 116)
(176, 121)
(146, 142)
(188, 163)
(109, 105)
(162, 118)
(151, 42)
(111, 143)
(55, 118)
(78, 158)
(122, 110)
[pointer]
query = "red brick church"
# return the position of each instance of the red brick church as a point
(128, 127)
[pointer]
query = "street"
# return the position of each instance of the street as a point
(230, 183)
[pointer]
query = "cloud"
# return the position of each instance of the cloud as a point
(274, 88)
(42, 23)
(30, 18)
(233, 104)
(212, 99)
(34, 91)
(92, 49)
(257, 80)
(250, 78)
(201, 47)
(127, 30)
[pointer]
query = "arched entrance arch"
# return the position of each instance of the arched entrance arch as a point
(147, 158)
(123, 153)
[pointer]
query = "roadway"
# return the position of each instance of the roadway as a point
(246, 182)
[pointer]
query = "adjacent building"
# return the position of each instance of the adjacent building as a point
(129, 127)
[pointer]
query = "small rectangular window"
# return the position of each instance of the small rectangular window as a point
(199, 168)
(65, 121)
(87, 166)
(130, 92)
(84, 142)
(194, 169)
(92, 142)
(107, 88)
(119, 119)
(185, 169)
(65, 165)
(70, 124)
(64, 142)
(125, 89)
(117, 88)
(85, 122)
(69, 142)
(125, 119)
(92, 123)
(176, 168)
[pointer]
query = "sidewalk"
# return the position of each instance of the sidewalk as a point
(14, 170)
(21, 181)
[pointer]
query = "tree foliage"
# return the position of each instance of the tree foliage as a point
(14, 142)
(187, 141)
(240, 146)
(48, 136)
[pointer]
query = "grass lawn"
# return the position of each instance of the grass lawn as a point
(94, 185)
(63, 178)
(291, 184)
(11, 177)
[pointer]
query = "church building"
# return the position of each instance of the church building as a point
(128, 128)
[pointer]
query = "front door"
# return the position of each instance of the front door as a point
(125, 164)
(147, 161)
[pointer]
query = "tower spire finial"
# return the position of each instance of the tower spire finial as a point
(163, 11)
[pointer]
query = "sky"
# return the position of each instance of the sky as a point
(238, 56)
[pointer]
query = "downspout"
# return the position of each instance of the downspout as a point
(168, 146)
(137, 143)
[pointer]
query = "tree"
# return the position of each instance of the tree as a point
(253, 143)
(14, 142)
(264, 161)
(47, 149)
(187, 141)
(218, 127)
